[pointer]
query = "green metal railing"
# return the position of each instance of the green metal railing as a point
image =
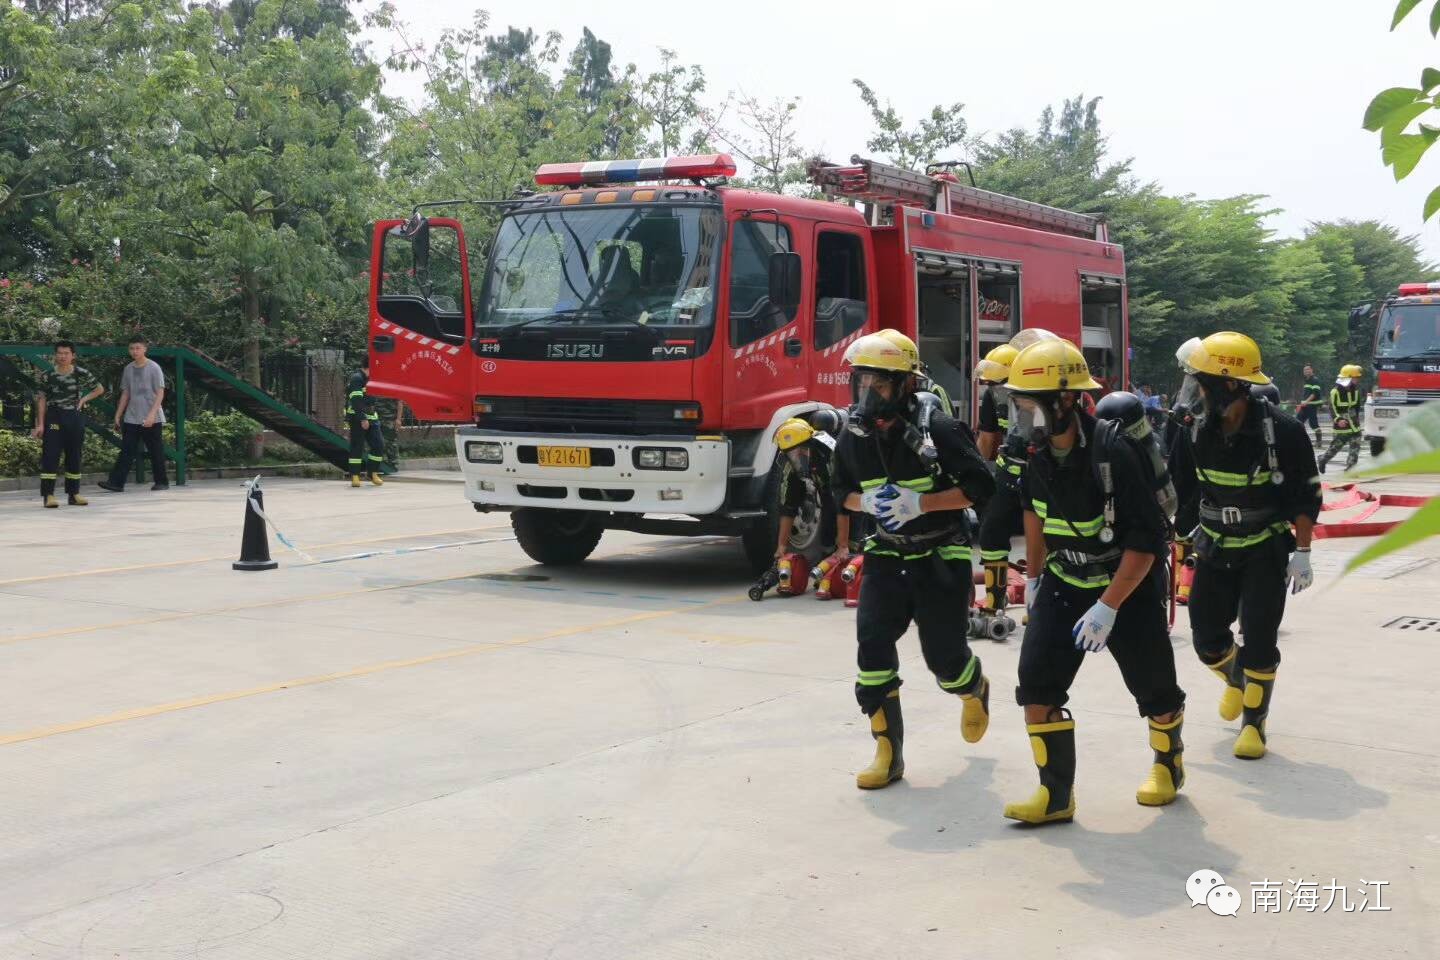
(189, 366)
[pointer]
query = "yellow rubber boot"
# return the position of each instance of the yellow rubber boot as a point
(888, 728)
(1053, 745)
(355, 481)
(1227, 668)
(76, 500)
(997, 584)
(975, 715)
(973, 688)
(376, 479)
(1167, 773)
(1259, 686)
(52, 503)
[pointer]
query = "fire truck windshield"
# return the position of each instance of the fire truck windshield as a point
(604, 265)
(1408, 330)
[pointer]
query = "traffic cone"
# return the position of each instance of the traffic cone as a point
(254, 542)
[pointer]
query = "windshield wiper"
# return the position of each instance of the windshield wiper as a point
(511, 328)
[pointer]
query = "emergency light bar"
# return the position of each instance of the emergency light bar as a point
(635, 171)
(1418, 289)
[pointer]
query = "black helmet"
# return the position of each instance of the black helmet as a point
(1266, 391)
(1119, 405)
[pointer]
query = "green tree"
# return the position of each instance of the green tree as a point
(916, 146)
(69, 76)
(1063, 163)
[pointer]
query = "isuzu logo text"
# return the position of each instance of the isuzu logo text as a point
(574, 351)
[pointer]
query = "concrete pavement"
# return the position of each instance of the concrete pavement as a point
(456, 753)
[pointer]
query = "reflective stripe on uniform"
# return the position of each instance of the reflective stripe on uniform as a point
(990, 556)
(1222, 478)
(1062, 527)
(965, 678)
(1085, 582)
(1234, 543)
(875, 678)
(71, 476)
(48, 476)
(921, 484)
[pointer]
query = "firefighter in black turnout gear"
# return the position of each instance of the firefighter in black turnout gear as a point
(367, 444)
(1245, 472)
(915, 469)
(1002, 516)
(1096, 538)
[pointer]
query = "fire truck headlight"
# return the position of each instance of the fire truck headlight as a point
(661, 458)
(483, 451)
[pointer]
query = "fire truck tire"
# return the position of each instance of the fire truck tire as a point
(1377, 446)
(759, 539)
(556, 538)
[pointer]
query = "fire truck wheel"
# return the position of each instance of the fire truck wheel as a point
(558, 538)
(1377, 446)
(808, 538)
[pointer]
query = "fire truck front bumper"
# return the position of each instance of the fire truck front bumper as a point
(1382, 415)
(614, 474)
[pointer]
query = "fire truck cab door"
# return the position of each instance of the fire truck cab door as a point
(768, 344)
(421, 318)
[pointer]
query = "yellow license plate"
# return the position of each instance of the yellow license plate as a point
(563, 456)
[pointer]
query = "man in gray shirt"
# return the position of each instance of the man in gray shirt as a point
(139, 418)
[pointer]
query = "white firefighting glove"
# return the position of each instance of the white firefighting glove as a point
(1092, 631)
(897, 506)
(1299, 572)
(1032, 589)
(869, 500)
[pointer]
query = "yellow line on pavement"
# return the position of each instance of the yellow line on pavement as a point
(159, 565)
(174, 706)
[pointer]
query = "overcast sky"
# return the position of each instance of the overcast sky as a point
(1215, 98)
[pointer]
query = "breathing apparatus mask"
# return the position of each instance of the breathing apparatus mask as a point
(999, 395)
(799, 457)
(876, 395)
(1211, 396)
(1038, 417)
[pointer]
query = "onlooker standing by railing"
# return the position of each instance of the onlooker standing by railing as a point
(60, 399)
(139, 418)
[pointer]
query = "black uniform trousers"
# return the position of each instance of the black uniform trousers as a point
(1139, 642)
(1250, 583)
(1003, 519)
(1309, 416)
(367, 446)
(131, 436)
(932, 593)
(64, 436)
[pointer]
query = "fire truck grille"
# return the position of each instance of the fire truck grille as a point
(565, 415)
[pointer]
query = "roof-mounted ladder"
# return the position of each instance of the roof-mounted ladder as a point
(883, 185)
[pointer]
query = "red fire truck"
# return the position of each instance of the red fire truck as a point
(639, 331)
(1406, 337)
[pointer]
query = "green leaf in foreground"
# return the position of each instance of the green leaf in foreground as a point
(1432, 203)
(1387, 102)
(1403, 153)
(1402, 10)
(1415, 438)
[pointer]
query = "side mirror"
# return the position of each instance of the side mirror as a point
(785, 280)
(417, 231)
(1362, 327)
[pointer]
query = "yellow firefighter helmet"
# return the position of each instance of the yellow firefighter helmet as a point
(1049, 365)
